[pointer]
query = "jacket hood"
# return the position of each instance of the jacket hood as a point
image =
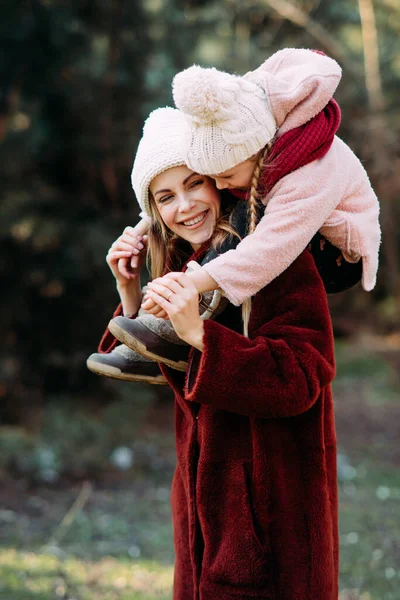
(298, 83)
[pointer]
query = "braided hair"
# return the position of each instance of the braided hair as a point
(254, 204)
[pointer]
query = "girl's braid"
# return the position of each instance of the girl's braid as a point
(254, 197)
(253, 219)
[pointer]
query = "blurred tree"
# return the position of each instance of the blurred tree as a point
(72, 81)
(388, 185)
(77, 79)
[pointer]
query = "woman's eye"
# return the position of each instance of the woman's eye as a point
(164, 199)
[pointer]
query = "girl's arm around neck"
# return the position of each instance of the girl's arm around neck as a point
(203, 281)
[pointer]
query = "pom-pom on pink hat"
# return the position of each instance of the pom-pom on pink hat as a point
(229, 118)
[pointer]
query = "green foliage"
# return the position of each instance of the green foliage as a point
(73, 77)
(73, 443)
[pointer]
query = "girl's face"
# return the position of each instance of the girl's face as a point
(188, 203)
(239, 177)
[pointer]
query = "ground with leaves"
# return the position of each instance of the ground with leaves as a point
(111, 539)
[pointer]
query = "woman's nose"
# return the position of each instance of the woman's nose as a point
(186, 201)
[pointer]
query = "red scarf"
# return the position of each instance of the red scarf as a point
(298, 147)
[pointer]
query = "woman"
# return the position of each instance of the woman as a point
(254, 495)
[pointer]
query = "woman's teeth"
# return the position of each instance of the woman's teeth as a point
(195, 220)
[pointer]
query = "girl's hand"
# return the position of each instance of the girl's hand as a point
(119, 256)
(151, 307)
(178, 296)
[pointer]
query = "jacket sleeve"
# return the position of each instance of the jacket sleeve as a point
(296, 208)
(108, 341)
(282, 369)
(354, 224)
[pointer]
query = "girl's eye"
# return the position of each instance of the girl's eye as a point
(197, 182)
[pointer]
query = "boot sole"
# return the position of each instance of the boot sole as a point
(114, 373)
(138, 346)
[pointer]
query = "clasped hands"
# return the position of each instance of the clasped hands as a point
(175, 296)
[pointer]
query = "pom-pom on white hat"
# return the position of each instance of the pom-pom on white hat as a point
(229, 118)
(159, 149)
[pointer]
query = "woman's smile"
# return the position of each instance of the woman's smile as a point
(196, 221)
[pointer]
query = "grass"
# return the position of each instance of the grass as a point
(119, 545)
(370, 534)
(43, 576)
(367, 400)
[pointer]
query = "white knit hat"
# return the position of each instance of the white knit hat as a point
(159, 149)
(229, 118)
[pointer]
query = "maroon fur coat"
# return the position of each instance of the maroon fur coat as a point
(254, 495)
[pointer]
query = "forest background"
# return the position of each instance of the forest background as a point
(77, 80)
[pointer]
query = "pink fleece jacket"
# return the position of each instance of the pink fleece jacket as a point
(332, 194)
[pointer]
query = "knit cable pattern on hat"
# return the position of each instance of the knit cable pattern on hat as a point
(229, 118)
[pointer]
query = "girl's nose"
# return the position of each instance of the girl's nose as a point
(221, 184)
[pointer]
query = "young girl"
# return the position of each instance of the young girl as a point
(254, 493)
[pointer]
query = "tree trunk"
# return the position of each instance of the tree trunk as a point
(381, 145)
(298, 16)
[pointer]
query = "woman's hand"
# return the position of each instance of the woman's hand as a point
(119, 256)
(151, 306)
(178, 296)
(202, 280)
(126, 265)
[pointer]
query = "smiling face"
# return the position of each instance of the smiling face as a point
(188, 203)
(239, 177)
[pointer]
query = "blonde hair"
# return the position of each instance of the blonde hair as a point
(254, 204)
(166, 250)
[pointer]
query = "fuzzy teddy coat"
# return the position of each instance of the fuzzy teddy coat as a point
(254, 495)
